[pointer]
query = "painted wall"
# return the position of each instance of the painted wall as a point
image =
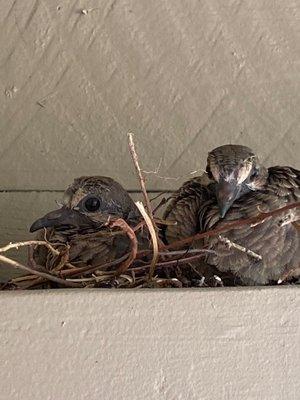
(75, 77)
(233, 344)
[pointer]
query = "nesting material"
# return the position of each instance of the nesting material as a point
(158, 265)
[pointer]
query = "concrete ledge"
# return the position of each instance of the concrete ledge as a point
(152, 344)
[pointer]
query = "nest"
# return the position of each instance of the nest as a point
(159, 265)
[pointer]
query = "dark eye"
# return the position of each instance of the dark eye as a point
(209, 174)
(254, 173)
(92, 204)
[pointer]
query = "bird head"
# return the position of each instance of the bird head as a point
(235, 170)
(87, 204)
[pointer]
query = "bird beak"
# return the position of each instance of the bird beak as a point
(226, 193)
(62, 217)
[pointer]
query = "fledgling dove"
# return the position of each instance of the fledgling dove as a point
(87, 206)
(237, 186)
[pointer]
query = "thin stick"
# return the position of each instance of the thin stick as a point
(231, 244)
(45, 275)
(31, 281)
(89, 269)
(178, 261)
(31, 262)
(29, 243)
(232, 225)
(139, 172)
(120, 223)
(159, 195)
(185, 252)
(139, 226)
(153, 235)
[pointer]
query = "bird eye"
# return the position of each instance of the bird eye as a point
(255, 173)
(92, 204)
(209, 174)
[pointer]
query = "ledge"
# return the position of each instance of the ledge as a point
(239, 343)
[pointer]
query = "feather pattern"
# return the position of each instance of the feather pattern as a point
(195, 209)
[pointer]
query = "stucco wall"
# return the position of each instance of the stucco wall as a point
(185, 76)
(210, 344)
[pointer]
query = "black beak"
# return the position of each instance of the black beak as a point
(62, 217)
(226, 193)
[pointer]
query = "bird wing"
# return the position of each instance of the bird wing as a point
(285, 182)
(96, 248)
(184, 209)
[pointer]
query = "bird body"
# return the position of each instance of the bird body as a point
(82, 223)
(235, 187)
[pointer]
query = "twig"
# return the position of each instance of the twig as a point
(139, 226)
(171, 262)
(28, 281)
(159, 195)
(45, 275)
(139, 172)
(172, 178)
(29, 243)
(232, 225)
(295, 272)
(153, 235)
(231, 244)
(120, 223)
(31, 262)
(89, 269)
(185, 252)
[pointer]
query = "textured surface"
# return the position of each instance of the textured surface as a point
(195, 344)
(184, 78)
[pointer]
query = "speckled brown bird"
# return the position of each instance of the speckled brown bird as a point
(86, 207)
(238, 186)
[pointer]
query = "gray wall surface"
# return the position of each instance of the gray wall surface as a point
(230, 344)
(184, 76)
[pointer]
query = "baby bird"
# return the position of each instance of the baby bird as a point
(81, 222)
(237, 186)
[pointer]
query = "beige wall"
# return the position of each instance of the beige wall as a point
(210, 344)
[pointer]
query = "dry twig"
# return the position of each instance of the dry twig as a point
(139, 173)
(29, 243)
(153, 235)
(45, 275)
(231, 244)
(133, 240)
